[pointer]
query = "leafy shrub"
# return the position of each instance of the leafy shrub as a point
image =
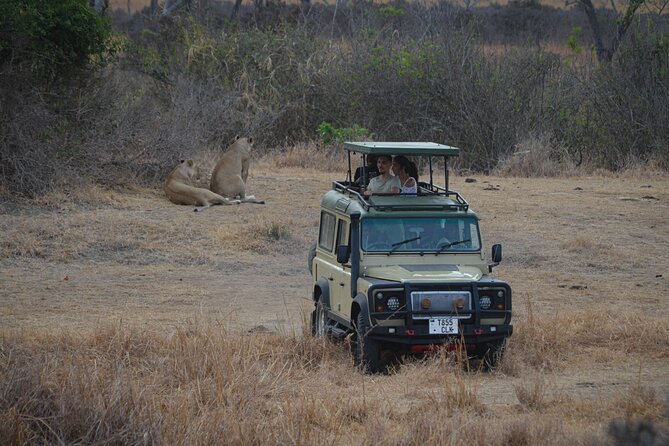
(49, 35)
(330, 134)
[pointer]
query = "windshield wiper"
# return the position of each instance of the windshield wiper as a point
(398, 244)
(448, 245)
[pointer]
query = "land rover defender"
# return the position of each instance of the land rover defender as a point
(405, 273)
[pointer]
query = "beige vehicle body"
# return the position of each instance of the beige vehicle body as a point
(405, 273)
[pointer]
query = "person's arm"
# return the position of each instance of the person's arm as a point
(395, 186)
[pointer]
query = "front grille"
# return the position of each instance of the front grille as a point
(441, 303)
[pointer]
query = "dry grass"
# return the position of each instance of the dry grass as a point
(126, 319)
(138, 5)
(307, 156)
(537, 156)
(201, 384)
(257, 237)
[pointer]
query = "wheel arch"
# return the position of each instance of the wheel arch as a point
(322, 290)
(358, 306)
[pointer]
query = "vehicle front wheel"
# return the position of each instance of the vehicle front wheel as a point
(365, 350)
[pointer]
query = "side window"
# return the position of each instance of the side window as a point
(342, 233)
(326, 235)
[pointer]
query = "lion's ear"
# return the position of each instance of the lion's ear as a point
(190, 163)
(250, 139)
(182, 161)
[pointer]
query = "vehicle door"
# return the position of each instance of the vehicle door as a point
(325, 264)
(341, 288)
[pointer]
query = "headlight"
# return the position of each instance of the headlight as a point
(492, 299)
(389, 300)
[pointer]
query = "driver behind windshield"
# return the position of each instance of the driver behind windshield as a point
(369, 171)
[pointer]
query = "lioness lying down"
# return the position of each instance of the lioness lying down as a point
(232, 170)
(180, 188)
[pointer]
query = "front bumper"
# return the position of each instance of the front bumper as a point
(468, 334)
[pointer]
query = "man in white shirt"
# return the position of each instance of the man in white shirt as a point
(385, 182)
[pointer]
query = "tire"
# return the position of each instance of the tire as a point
(493, 353)
(364, 349)
(310, 257)
(319, 320)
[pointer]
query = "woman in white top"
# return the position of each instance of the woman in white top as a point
(407, 172)
(385, 182)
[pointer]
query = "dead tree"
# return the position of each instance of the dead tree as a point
(605, 53)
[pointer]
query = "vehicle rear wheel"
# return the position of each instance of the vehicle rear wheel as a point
(365, 350)
(319, 319)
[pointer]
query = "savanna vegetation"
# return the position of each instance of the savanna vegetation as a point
(125, 320)
(128, 320)
(117, 104)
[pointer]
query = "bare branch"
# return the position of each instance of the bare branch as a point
(624, 24)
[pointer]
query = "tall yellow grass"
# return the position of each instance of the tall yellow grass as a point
(201, 383)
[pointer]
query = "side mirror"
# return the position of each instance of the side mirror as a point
(343, 253)
(496, 253)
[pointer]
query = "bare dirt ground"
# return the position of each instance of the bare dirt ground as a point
(587, 257)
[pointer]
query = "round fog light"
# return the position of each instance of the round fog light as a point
(393, 303)
(485, 302)
(426, 303)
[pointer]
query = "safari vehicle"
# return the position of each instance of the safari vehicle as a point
(404, 273)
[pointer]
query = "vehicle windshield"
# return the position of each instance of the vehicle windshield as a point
(408, 234)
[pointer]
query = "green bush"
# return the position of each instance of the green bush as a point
(330, 134)
(51, 35)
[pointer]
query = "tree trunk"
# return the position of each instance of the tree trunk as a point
(154, 6)
(603, 53)
(235, 9)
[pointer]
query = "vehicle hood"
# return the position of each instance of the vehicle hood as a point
(424, 273)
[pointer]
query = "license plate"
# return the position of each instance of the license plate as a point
(443, 325)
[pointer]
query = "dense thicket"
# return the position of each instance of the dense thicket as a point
(486, 80)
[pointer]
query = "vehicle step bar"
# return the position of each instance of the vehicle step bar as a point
(336, 332)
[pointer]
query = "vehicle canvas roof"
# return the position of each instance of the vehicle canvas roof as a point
(402, 148)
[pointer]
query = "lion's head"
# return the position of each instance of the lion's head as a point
(188, 169)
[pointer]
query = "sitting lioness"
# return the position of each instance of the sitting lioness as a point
(180, 188)
(229, 176)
